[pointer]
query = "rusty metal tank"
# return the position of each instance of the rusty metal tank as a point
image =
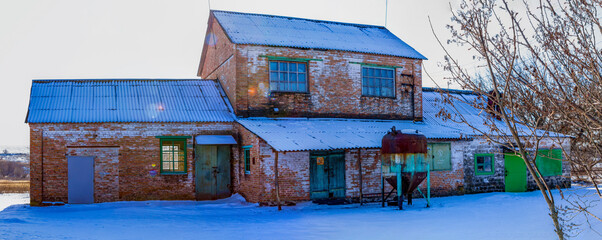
(403, 154)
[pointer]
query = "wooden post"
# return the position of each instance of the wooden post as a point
(359, 165)
(382, 181)
(277, 185)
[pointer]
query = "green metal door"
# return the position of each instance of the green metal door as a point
(327, 175)
(212, 168)
(516, 173)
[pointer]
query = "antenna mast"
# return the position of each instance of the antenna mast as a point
(386, 10)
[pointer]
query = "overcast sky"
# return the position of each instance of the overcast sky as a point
(163, 39)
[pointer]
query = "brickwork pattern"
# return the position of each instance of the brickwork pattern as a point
(334, 86)
(106, 171)
(334, 83)
(138, 149)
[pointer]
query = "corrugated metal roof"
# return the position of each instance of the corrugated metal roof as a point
(214, 139)
(259, 29)
(132, 100)
(463, 107)
(300, 134)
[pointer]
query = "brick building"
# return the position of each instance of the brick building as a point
(296, 103)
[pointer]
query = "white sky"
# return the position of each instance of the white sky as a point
(163, 39)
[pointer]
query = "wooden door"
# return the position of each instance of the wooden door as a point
(336, 175)
(515, 173)
(212, 170)
(327, 175)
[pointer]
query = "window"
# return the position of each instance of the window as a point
(549, 162)
(173, 156)
(483, 164)
(378, 82)
(439, 156)
(247, 157)
(288, 76)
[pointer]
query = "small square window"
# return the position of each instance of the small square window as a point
(484, 164)
(173, 156)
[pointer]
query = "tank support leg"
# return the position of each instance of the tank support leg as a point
(399, 189)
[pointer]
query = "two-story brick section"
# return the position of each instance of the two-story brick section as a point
(291, 107)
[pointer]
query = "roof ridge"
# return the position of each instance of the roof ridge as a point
(119, 79)
(300, 18)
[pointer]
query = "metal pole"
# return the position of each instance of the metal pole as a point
(428, 185)
(382, 182)
(386, 10)
(399, 188)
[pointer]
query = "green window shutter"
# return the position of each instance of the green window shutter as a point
(439, 156)
(549, 162)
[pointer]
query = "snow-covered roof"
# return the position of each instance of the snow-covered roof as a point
(260, 29)
(131, 100)
(481, 121)
(300, 134)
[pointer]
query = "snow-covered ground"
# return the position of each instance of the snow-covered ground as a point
(477, 216)
(8, 199)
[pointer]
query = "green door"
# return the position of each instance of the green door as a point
(327, 175)
(212, 168)
(516, 173)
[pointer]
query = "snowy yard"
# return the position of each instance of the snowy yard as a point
(478, 216)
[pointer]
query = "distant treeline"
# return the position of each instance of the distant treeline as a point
(13, 170)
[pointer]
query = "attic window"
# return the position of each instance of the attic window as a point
(378, 82)
(288, 76)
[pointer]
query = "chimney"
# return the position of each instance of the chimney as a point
(493, 107)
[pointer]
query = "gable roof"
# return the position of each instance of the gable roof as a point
(131, 100)
(280, 31)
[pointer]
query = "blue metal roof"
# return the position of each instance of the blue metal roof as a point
(463, 109)
(132, 100)
(302, 134)
(259, 29)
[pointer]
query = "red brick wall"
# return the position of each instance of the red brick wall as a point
(448, 182)
(251, 185)
(106, 171)
(334, 85)
(219, 59)
(137, 150)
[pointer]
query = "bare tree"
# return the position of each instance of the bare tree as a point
(542, 74)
